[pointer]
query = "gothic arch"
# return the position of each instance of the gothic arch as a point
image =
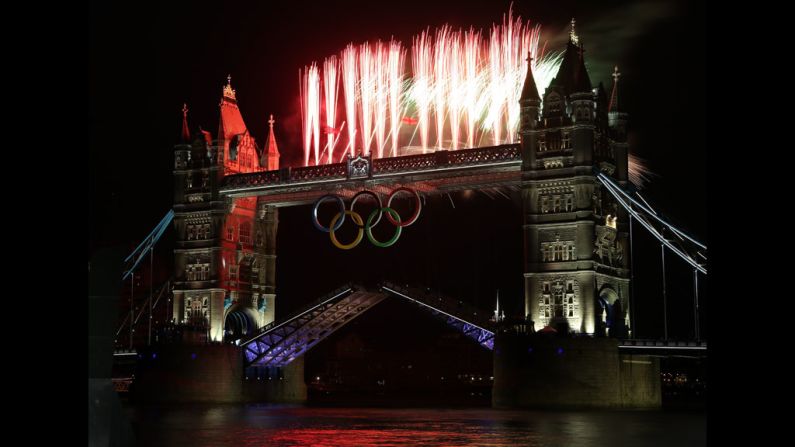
(239, 321)
(610, 313)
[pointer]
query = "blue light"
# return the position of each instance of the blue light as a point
(154, 355)
(193, 356)
(560, 351)
(529, 350)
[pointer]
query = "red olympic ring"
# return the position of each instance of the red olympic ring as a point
(417, 208)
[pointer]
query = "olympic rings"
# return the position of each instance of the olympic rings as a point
(417, 208)
(398, 228)
(366, 228)
(357, 219)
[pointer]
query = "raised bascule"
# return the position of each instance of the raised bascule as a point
(571, 165)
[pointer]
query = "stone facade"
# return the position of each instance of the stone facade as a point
(575, 235)
(225, 255)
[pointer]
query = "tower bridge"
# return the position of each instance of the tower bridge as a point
(571, 167)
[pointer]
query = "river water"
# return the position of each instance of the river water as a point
(272, 425)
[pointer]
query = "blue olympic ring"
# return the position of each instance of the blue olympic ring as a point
(317, 205)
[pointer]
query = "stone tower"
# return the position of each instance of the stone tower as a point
(225, 251)
(575, 235)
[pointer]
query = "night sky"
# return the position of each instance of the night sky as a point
(147, 58)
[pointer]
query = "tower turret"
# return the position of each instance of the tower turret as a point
(617, 120)
(529, 103)
(270, 156)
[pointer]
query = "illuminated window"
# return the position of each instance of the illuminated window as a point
(556, 206)
(230, 232)
(544, 204)
(571, 252)
(542, 143)
(245, 233)
(566, 142)
(569, 202)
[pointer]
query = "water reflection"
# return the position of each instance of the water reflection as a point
(254, 426)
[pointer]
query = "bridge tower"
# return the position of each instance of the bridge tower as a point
(575, 235)
(225, 249)
(576, 255)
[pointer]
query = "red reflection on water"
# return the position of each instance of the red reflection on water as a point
(312, 437)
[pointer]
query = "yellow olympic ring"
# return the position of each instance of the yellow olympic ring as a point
(357, 219)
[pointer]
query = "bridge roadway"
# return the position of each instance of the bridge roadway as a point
(279, 343)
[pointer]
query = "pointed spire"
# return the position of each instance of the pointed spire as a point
(270, 156)
(582, 83)
(529, 91)
(185, 132)
(573, 38)
(228, 91)
(601, 97)
(498, 315)
(572, 75)
(613, 107)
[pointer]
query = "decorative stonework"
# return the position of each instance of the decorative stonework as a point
(229, 92)
(359, 167)
(552, 163)
(606, 246)
(607, 168)
(559, 297)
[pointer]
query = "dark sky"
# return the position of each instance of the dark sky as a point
(147, 58)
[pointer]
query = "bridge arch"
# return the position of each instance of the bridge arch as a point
(610, 313)
(239, 321)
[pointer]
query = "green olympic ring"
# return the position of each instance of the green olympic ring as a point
(398, 228)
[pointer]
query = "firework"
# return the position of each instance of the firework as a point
(396, 58)
(331, 88)
(461, 81)
(639, 173)
(310, 110)
(349, 87)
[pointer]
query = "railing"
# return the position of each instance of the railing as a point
(473, 323)
(300, 312)
(380, 167)
(700, 345)
(456, 308)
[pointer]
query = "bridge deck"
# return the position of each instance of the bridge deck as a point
(440, 171)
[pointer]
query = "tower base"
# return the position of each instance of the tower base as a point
(540, 371)
(210, 373)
